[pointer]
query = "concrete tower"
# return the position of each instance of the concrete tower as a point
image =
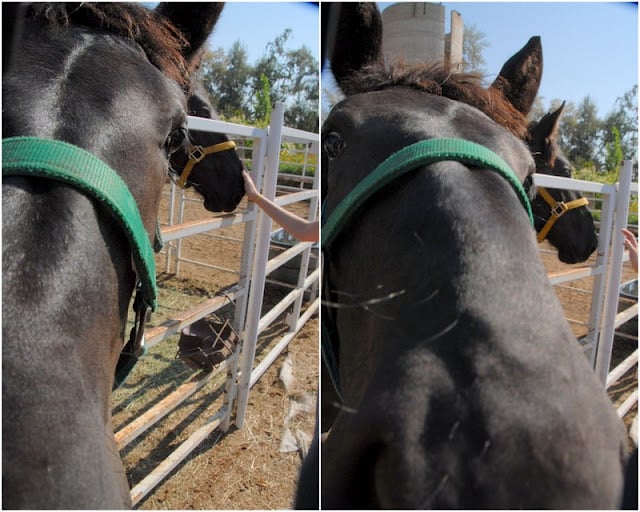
(414, 32)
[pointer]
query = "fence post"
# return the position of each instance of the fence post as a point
(603, 257)
(239, 319)
(172, 207)
(605, 343)
(256, 291)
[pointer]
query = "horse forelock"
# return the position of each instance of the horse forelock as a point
(440, 81)
(160, 40)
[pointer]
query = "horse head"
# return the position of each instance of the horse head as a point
(457, 376)
(570, 230)
(561, 216)
(96, 93)
(207, 161)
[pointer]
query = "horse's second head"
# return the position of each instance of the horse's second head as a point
(208, 161)
(561, 216)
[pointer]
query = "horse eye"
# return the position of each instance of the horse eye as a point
(333, 145)
(175, 140)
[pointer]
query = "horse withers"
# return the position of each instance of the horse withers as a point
(461, 384)
(107, 85)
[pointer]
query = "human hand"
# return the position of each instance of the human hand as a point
(631, 244)
(249, 186)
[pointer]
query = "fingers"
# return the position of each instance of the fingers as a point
(630, 241)
(249, 186)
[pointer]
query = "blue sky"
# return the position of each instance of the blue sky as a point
(589, 48)
(255, 24)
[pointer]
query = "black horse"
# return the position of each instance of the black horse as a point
(561, 216)
(90, 88)
(208, 161)
(460, 381)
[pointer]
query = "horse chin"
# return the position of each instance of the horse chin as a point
(215, 206)
(212, 205)
(571, 257)
(575, 253)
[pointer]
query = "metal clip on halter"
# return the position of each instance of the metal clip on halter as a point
(196, 153)
(559, 209)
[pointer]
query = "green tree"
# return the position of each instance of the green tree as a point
(262, 109)
(293, 76)
(237, 89)
(580, 133)
(613, 150)
(473, 44)
(226, 76)
(624, 118)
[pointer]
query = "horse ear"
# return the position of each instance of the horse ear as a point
(358, 41)
(545, 132)
(195, 20)
(519, 78)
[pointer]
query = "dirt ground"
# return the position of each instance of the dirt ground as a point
(245, 469)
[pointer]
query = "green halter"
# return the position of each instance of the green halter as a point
(410, 158)
(399, 163)
(60, 161)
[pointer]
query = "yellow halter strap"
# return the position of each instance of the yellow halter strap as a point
(558, 209)
(197, 153)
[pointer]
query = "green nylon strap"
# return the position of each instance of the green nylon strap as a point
(409, 158)
(60, 161)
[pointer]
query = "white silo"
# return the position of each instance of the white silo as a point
(453, 42)
(413, 32)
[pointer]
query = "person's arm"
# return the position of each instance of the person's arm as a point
(301, 229)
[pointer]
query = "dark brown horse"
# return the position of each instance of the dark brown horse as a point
(208, 161)
(459, 381)
(561, 216)
(94, 104)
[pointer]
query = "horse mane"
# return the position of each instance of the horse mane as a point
(159, 39)
(441, 81)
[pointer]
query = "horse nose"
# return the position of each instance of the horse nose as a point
(371, 461)
(350, 455)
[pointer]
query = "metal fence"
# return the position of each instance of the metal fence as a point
(262, 149)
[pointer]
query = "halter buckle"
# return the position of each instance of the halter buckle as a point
(196, 153)
(559, 209)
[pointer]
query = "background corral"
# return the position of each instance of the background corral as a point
(247, 469)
